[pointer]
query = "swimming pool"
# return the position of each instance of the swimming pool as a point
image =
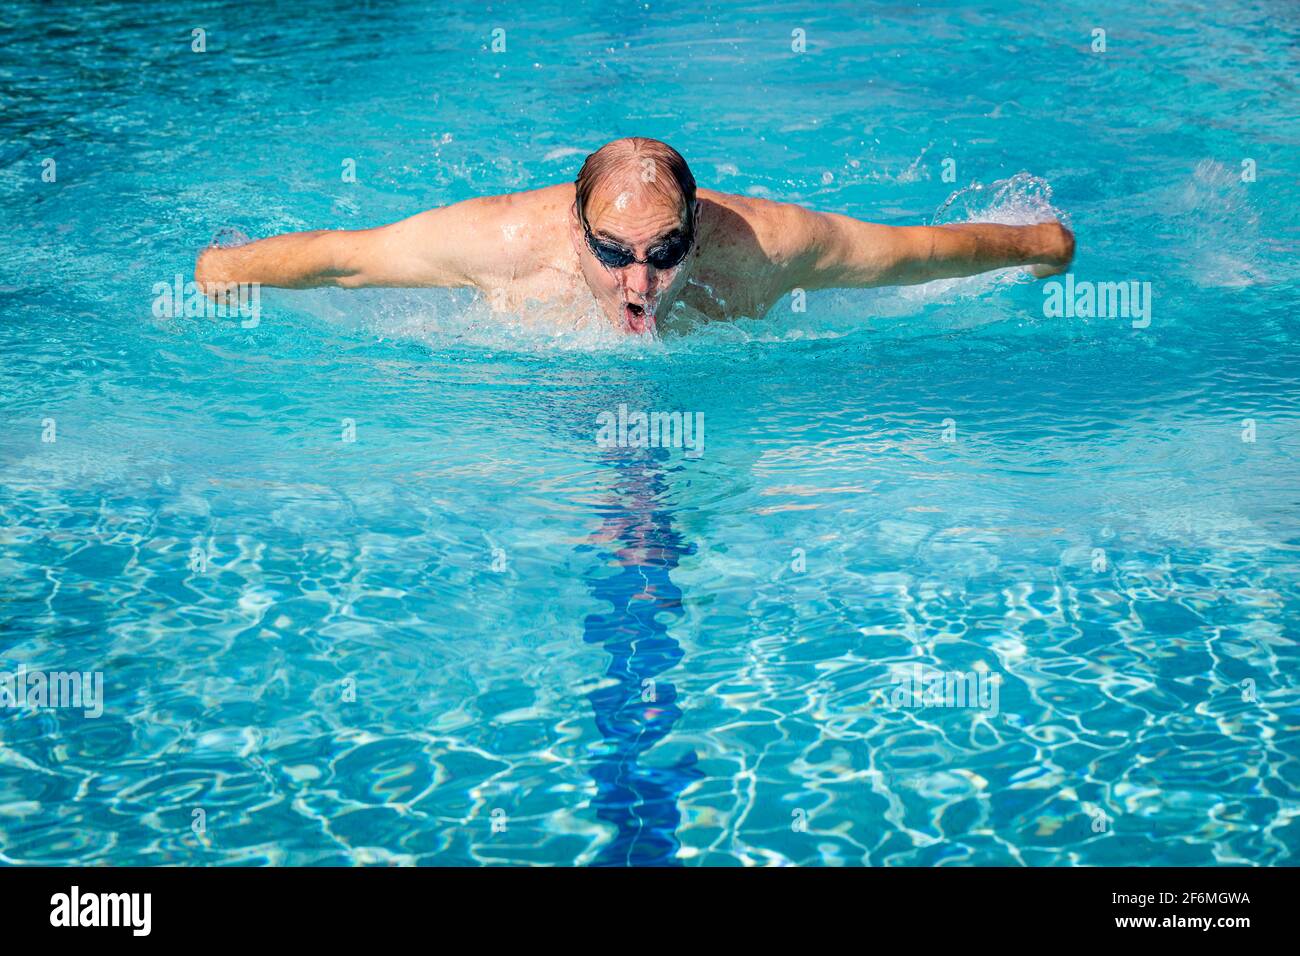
(363, 588)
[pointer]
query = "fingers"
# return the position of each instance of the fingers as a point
(1061, 245)
(1041, 270)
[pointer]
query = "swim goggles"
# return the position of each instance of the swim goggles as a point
(664, 256)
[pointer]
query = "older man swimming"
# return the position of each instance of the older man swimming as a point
(642, 243)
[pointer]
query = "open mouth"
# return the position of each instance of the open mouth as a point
(638, 317)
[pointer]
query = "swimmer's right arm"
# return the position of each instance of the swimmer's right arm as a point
(433, 248)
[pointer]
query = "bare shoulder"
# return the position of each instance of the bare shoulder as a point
(488, 239)
(762, 231)
(757, 248)
(515, 234)
(529, 202)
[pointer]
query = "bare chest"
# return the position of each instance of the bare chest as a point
(550, 282)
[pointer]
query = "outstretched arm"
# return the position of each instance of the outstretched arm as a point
(434, 248)
(838, 251)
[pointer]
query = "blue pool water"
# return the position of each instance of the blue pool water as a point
(318, 651)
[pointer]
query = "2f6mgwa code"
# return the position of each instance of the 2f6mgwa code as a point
(1215, 898)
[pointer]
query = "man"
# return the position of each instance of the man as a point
(636, 239)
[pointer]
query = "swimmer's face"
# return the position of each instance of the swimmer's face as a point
(632, 220)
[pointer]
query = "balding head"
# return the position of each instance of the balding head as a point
(634, 169)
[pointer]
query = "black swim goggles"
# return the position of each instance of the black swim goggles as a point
(664, 256)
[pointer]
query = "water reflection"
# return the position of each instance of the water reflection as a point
(639, 708)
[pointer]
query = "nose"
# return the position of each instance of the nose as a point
(639, 278)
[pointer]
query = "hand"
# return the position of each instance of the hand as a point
(1058, 244)
(206, 276)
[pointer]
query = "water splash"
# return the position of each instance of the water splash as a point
(443, 318)
(1021, 200)
(229, 237)
(1219, 226)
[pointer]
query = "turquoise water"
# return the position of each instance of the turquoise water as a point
(370, 651)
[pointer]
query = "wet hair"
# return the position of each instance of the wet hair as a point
(659, 168)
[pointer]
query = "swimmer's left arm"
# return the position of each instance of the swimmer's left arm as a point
(842, 252)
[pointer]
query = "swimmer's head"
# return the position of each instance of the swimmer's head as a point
(633, 225)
